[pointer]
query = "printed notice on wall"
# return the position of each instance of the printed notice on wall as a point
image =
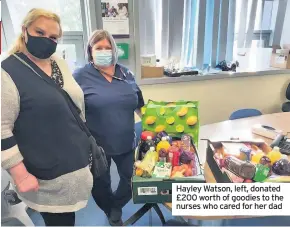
(0, 36)
(115, 16)
(256, 199)
(281, 59)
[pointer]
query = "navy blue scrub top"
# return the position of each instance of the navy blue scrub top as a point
(110, 107)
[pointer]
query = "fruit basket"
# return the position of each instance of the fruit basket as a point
(247, 162)
(167, 160)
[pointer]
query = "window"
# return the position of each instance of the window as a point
(201, 33)
(3, 40)
(255, 36)
(71, 46)
(68, 10)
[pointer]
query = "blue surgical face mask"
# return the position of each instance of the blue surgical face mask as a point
(103, 58)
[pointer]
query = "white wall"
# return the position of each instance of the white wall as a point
(285, 39)
(219, 98)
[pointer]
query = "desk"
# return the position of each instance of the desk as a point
(238, 128)
(224, 130)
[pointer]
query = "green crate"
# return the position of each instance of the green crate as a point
(158, 190)
(149, 190)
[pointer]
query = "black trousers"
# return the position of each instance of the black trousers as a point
(102, 192)
(61, 219)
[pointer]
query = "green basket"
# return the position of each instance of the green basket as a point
(158, 190)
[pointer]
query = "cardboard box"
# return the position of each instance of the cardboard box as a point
(152, 72)
(148, 60)
(280, 57)
(225, 176)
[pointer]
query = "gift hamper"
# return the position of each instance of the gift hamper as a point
(247, 162)
(167, 151)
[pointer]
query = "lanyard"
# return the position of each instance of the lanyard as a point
(114, 77)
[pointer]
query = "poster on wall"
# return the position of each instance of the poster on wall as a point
(115, 16)
(123, 50)
(0, 37)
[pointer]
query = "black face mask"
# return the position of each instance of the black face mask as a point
(40, 47)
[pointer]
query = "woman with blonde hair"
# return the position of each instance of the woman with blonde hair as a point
(44, 149)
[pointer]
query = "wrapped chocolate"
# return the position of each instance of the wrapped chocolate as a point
(281, 167)
(234, 177)
(241, 168)
(186, 157)
(160, 135)
(185, 143)
(163, 155)
(265, 161)
(189, 158)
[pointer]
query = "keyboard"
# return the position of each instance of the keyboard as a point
(283, 143)
(285, 147)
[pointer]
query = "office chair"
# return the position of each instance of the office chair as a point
(243, 113)
(286, 105)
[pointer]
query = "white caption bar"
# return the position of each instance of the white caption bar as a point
(252, 199)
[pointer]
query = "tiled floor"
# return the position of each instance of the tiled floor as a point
(93, 216)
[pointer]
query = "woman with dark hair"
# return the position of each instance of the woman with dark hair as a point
(111, 98)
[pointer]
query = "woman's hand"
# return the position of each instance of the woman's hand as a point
(29, 183)
(23, 180)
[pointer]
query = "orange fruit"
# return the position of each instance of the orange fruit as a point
(139, 172)
(188, 172)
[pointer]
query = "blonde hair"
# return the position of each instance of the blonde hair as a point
(97, 36)
(32, 15)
